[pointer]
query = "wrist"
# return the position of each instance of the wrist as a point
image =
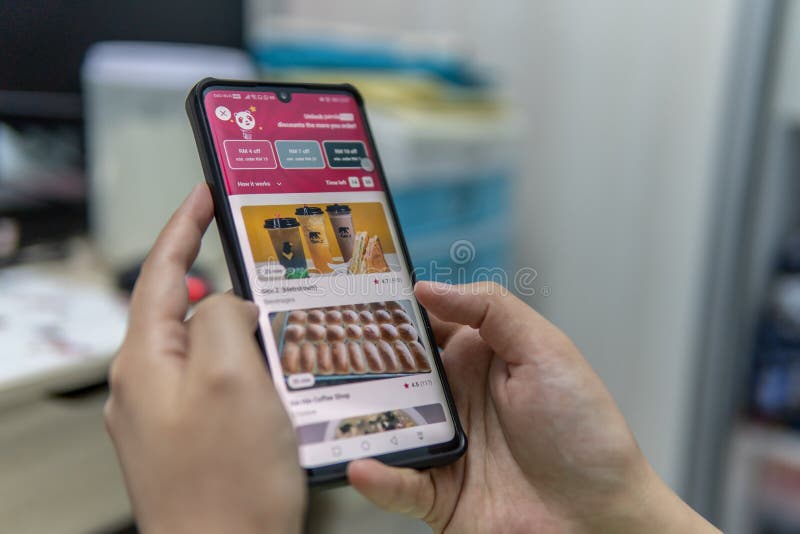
(646, 504)
(192, 523)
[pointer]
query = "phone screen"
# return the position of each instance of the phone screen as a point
(342, 331)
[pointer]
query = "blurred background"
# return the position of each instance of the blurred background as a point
(631, 166)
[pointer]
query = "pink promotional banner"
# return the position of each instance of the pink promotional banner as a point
(316, 142)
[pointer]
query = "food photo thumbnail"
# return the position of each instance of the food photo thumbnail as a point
(294, 241)
(374, 423)
(349, 343)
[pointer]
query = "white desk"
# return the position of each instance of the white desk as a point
(60, 323)
(58, 469)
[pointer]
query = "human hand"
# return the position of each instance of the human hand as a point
(549, 450)
(204, 441)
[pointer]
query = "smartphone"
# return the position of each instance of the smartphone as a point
(310, 234)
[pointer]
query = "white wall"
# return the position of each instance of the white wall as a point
(620, 102)
(624, 100)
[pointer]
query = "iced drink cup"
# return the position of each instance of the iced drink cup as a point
(284, 232)
(342, 223)
(312, 221)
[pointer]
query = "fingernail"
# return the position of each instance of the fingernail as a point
(251, 305)
(438, 287)
(193, 193)
(197, 189)
(444, 286)
(256, 309)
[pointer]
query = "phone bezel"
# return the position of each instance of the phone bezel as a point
(333, 474)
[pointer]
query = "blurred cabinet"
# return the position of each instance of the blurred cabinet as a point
(451, 177)
(141, 155)
(58, 469)
(760, 487)
(763, 486)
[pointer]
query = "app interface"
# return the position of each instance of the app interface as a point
(342, 331)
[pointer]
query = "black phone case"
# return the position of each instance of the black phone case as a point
(334, 474)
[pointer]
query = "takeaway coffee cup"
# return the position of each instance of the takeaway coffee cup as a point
(284, 232)
(342, 223)
(312, 221)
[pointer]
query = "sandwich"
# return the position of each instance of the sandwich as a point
(368, 256)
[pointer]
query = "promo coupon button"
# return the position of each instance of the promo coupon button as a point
(249, 154)
(300, 154)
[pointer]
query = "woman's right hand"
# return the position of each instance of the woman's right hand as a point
(549, 450)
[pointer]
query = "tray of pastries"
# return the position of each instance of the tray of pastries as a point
(350, 342)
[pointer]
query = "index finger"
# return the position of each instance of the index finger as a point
(160, 292)
(510, 327)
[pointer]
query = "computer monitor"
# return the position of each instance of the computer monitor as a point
(42, 46)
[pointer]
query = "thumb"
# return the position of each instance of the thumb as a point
(513, 330)
(402, 490)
